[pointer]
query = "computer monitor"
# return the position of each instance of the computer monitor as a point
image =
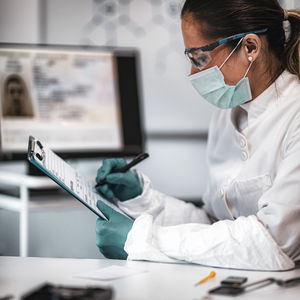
(82, 101)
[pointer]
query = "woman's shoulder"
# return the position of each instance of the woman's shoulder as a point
(288, 87)
(288, 100)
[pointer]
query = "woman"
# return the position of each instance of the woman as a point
(251, 213)
(15, 98)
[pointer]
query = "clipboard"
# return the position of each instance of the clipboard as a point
(67, 177)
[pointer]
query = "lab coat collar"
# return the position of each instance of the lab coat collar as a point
(269, 98)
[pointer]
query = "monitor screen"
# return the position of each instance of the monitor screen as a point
(80, 101)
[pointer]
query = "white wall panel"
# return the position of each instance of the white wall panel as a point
(289, 4)
(19, 21)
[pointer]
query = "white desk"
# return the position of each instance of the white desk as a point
(161, 281)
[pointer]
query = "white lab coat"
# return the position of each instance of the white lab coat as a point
(251, 216)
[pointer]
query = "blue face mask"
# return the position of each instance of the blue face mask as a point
(211, 86)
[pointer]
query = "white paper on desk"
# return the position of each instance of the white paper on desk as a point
(110, 273)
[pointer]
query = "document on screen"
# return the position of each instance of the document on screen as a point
(67, 177)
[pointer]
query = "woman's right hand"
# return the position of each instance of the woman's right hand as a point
(122, 186)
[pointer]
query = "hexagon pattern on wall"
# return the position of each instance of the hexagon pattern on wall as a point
(146, 24)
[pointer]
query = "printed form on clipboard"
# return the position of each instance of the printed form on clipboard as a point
(67, 177)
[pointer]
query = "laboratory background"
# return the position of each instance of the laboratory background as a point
(174, 118)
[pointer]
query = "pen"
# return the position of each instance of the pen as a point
(134, 162)
(212, 274)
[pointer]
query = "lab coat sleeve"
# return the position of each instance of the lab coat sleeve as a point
(243, 244)
(164, 209)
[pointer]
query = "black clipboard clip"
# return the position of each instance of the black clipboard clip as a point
(32, 148)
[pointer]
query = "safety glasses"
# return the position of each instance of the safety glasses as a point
(200, 57)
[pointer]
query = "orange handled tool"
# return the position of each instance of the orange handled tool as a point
(212, 274)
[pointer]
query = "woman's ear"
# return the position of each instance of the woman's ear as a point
(252, 46)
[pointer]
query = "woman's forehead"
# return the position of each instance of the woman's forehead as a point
(192, 32)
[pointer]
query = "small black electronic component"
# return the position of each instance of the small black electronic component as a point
(234, 280)
(58, 292)
(227, 290)
(233, 285)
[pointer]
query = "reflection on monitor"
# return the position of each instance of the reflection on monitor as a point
(81, 102)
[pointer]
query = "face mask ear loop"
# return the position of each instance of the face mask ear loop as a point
(251, 62)
(230, 53)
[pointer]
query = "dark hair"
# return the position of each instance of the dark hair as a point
(223, 18)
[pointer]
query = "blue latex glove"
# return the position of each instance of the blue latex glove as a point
(123, 186)
(111, 235)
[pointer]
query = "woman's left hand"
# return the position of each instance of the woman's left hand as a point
(111, 235)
